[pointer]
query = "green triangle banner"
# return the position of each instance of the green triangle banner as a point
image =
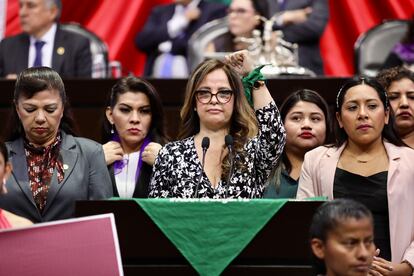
(210, 233)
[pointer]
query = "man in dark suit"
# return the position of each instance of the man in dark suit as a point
(303, 22)
(169, 27)
(44, 43)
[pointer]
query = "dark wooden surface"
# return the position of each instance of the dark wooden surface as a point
(280, 248)
(88, 98)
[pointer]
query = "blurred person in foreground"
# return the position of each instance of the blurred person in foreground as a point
(342, 238)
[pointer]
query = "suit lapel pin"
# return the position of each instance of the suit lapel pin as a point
(60, 51)
(65, 166)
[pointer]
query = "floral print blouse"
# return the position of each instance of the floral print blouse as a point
(177, 169)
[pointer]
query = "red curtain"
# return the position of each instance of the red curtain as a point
(350, 18)
(117, 23)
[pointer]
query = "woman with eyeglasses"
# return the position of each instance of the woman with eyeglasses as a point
(215, 106)
(370, 164)
(243, 18)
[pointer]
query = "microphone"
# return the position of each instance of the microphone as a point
(205, 144)
(228, 140)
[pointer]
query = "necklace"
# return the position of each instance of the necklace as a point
(362, 160)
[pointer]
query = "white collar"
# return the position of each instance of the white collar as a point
(48, 37)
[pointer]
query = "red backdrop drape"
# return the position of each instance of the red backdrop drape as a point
(117, 23)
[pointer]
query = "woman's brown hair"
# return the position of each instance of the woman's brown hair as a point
(243, 123)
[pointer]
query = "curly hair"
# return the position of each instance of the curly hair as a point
(388, 76)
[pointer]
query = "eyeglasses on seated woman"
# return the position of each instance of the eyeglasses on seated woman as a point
(203, 163)
(342, 238)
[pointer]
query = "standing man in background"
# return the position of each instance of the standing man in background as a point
(165, 35)
(44, 43)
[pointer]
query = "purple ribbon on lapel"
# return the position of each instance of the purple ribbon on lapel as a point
(120, 164)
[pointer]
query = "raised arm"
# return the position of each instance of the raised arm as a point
(267, 146)
(243, 63)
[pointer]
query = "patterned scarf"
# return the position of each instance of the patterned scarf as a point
(41, 163)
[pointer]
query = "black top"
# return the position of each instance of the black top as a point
(372, 192)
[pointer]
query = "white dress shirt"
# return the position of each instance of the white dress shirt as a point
(47, 49)
(125, 179)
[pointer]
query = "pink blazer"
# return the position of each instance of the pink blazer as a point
(4, 222)
(317, 178)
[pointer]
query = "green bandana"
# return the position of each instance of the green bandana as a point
(249, 80)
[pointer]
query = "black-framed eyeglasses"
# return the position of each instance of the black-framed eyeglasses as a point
(205, 96)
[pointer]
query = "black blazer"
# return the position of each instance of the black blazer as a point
(74, 61)
(155, 30)
(142, 185)
(307, 34)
